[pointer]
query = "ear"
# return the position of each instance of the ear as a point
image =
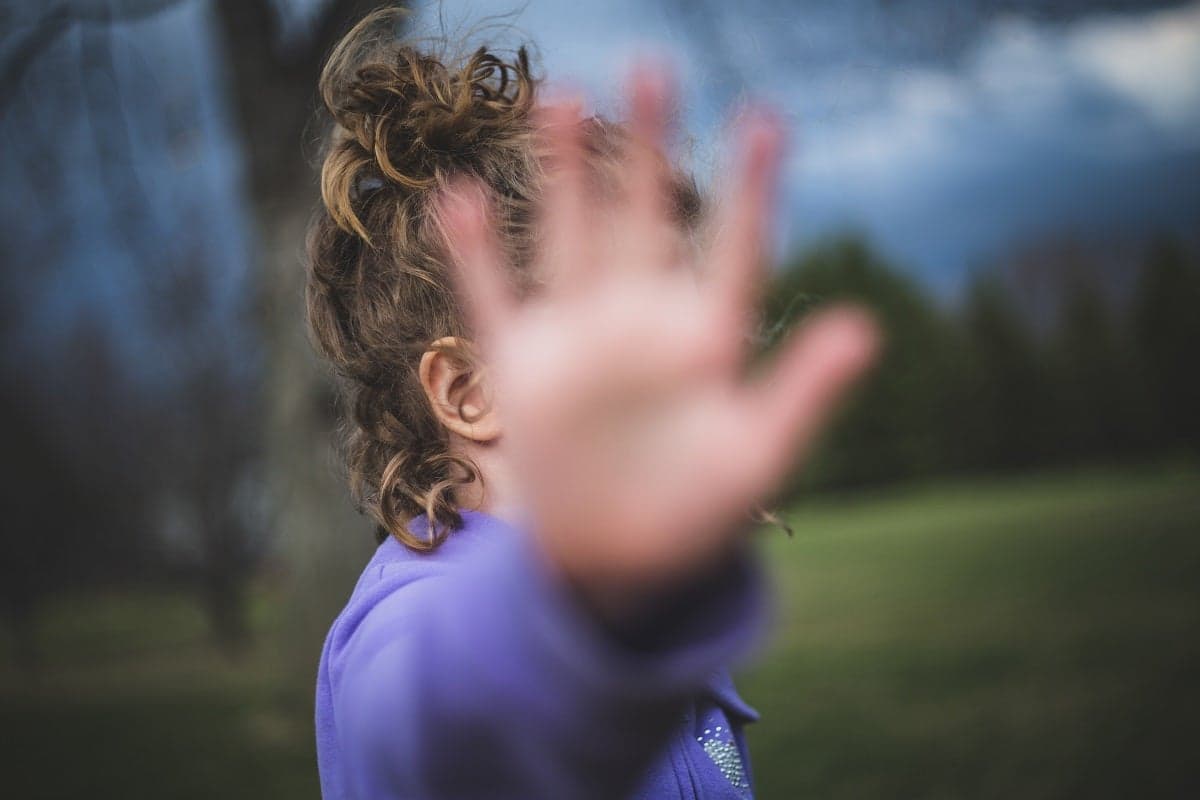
(458, 401)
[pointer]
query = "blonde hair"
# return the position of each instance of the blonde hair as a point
(404, 123)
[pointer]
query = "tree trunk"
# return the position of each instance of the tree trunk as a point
(320, 537)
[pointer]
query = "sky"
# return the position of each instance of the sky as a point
(122, 172)
(949, 133)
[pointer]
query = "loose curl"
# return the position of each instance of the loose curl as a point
(404, 123)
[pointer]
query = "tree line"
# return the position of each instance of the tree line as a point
(1079, 366)
(107, 483)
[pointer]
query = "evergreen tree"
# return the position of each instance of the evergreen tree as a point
(1011, 408)
(1095, 381)
(1166, 323)
(906, 419)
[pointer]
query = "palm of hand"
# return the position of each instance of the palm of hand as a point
(638, 440)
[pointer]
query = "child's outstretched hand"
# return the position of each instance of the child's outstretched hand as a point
(639, 441)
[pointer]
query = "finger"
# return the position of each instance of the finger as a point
(647, 236)
(568, 252)
(818, 365)
(737, 256)
(478, 270)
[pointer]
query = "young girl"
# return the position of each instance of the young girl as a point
(541, 354)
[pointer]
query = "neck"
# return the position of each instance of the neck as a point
(494, 492)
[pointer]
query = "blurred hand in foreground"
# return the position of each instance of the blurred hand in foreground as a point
(637, 439)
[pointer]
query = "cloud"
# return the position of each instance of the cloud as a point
(1110, 87)
(1154, 62)
(1038, 126)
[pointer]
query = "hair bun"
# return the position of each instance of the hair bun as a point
(408, 117)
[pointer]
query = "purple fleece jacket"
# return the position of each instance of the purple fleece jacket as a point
(471, 672)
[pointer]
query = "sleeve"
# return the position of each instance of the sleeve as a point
(491, 680)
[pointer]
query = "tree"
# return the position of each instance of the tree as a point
(906, 418)
(273, 86)
(1098, 394)
(1009, 383)
(75, 485)
(1166, 324)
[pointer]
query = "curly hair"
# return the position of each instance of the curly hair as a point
(404, 124)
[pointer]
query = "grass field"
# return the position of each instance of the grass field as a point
(1023, 638)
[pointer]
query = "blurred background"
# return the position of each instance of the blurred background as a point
(992, 588)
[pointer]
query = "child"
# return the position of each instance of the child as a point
(561, 454)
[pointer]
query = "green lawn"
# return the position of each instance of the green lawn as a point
(1038, 638)
(1019, 638)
